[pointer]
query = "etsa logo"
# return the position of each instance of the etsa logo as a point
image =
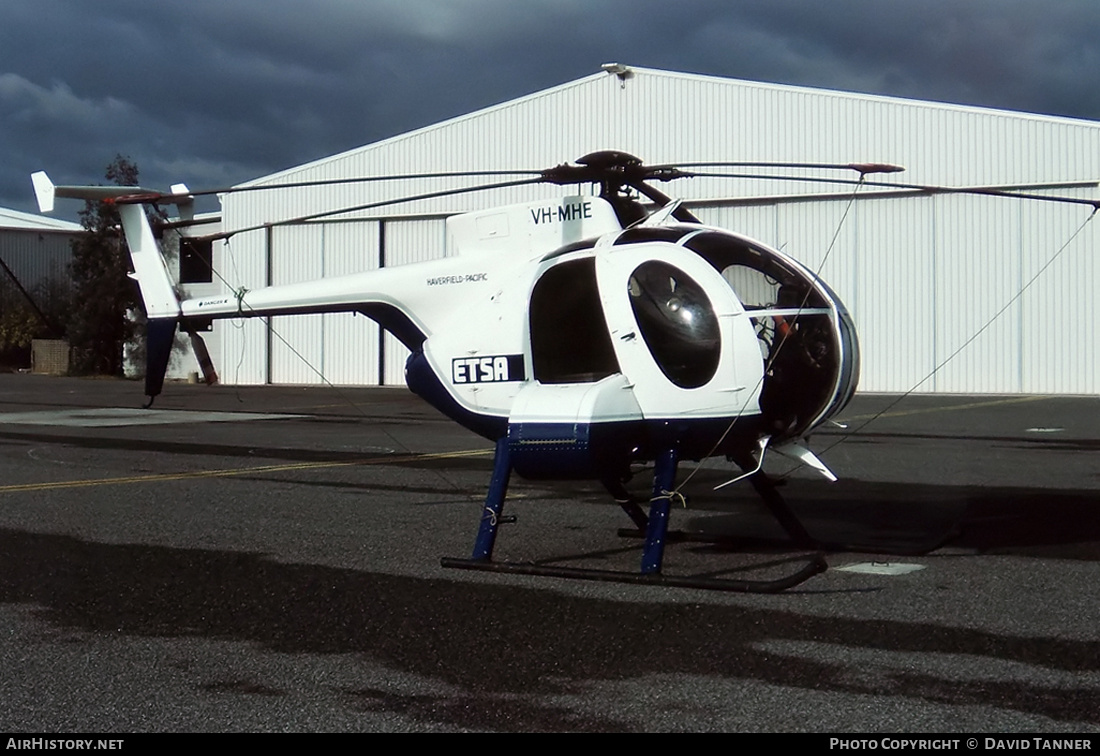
(489, 369)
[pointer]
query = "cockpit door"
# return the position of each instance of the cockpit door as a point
(679, 333)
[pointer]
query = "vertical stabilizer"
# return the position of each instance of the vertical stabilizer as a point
(150, 272)
(43, 191)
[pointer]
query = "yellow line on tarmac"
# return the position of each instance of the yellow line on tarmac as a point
(162, 477)
(947, 408)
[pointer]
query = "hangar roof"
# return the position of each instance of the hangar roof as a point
(686, 103)
(669, 117)
(14, 219)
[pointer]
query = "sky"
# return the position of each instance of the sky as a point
(216, 92)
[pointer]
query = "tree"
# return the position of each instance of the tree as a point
(98, 324)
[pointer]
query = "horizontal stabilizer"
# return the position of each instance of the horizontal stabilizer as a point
(45, 191)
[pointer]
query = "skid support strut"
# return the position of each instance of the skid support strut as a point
(766, 488)
(494, 503)
(656, 534)
(652, 553)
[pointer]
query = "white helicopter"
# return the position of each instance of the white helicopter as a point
(582, 337)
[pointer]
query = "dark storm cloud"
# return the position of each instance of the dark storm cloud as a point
(215, 92)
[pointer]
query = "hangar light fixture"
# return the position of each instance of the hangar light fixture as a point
(623, 72)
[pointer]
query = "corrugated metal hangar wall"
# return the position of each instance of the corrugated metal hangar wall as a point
(36, 249)
(923, 275)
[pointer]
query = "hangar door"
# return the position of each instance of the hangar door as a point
(408, 241)
(340, 346)
(345, 348)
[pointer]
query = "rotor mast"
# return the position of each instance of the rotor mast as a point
(616, 171)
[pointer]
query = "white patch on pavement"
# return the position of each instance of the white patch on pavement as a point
(881, 568)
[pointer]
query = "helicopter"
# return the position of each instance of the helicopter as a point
(583, 337)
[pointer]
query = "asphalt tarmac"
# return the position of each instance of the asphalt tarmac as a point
(267, 559)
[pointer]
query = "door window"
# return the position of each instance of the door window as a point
(677, 322)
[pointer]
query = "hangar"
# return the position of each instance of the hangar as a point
(35, 252)
(35, 249)
(934, 281)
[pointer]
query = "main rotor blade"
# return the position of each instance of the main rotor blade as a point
(990, 191)
(862, 168)
(145, 196)
(662, 172)
(370, 205)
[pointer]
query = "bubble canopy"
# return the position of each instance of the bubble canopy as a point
(677, 322)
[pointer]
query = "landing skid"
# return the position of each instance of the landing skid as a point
(815, 566)
(654, 526)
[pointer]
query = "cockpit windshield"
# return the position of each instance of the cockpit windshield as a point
(807, 340)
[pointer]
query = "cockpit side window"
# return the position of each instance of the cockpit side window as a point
(569, 338)
(677, 322)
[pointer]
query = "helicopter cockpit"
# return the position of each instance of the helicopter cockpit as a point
(805, 336)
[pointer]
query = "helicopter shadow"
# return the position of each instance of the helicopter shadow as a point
(905, 519)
